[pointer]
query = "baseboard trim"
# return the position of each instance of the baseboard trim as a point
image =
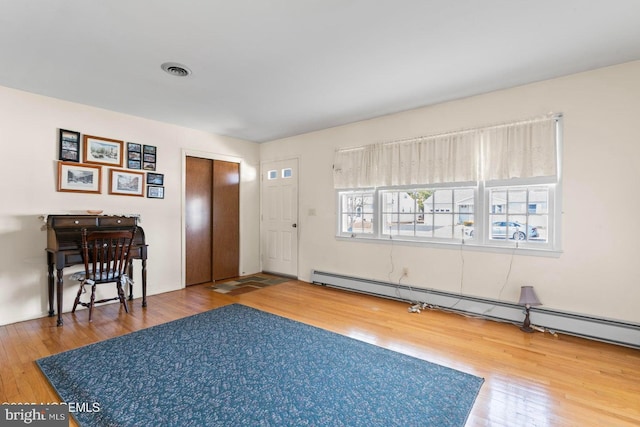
(595, 328)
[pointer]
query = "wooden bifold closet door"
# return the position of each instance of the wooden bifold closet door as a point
(212, 231)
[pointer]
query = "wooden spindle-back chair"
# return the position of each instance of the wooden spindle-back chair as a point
(106, 255)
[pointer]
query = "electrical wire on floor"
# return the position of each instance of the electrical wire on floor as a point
(482, 317)
(417, 306)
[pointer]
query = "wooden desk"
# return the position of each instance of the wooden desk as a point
(64, 242)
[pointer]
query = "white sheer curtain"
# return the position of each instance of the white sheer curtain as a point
(428, 160)
(520, 150)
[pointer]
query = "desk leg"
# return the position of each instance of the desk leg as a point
(50, 285)
(59, 289)
(144, 282)
(131, 280)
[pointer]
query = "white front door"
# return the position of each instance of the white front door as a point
(279, 228)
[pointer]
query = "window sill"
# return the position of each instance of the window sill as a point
(466, 245)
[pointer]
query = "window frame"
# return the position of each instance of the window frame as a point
(553, 224)
(481, 216)
(432, 188)
(341, 212)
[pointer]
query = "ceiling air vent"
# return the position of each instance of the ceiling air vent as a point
(176, 69)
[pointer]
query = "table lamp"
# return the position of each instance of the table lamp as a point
(528, 298)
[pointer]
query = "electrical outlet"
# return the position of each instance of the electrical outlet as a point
(405, 271)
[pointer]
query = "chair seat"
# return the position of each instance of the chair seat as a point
(105, 276)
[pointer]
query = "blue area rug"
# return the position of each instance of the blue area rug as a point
(238, 366)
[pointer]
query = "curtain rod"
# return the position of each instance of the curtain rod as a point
(550, 116)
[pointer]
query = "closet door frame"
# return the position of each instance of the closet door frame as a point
(211, 156)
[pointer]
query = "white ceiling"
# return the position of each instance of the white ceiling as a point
(267, 69)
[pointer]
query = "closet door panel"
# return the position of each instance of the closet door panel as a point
(198, 223)
(226, 219)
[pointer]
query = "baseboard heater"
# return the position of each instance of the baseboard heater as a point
(611, 331)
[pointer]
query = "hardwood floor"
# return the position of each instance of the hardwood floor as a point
(530, 379)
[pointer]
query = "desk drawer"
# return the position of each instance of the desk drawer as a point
(75, 222)
(117, 221)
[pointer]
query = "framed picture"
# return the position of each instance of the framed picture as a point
(134, 164)
(134, 155)
(149, 157)
(155, 178)
(69, 146)
(102, 151)
(79, 178)
(126, 183)
(155, 192)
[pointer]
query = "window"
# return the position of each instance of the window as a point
(285, 173)
(519, 213)
(497, 187)
(356, 213)
(497, 216)
(423, 213)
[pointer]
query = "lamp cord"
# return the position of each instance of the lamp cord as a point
(506, 280)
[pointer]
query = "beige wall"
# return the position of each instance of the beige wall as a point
(29, 140)
(597, 273)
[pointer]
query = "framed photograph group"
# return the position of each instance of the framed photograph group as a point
(81, 158)
(126, 183)
(134, 155)
(69, 146)
(102, 151)
(79, 178)
(149, 157)
(155, 182)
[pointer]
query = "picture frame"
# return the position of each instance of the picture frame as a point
(155, 192)
(126, 183)
(149, 157)
(155, 178)
(79, 178)
(102, 151)
(134, 155)
(134, 164)
(69, 141)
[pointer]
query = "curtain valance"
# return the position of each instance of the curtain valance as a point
(519, 150)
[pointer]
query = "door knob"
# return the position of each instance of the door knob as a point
(294, 225)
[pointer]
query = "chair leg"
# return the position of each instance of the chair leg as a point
(77, 301)
(123, 301)
(92, 302)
